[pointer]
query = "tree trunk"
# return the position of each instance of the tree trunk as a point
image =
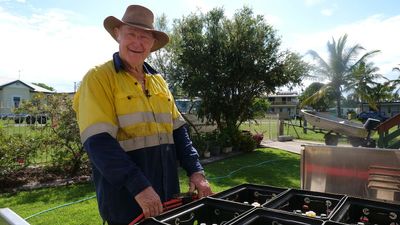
(338, 108)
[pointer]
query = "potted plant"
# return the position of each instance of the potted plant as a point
(206, 154)
(199, 142)
(258, 137)
(225, 140)
(213, 143)
(247, 143)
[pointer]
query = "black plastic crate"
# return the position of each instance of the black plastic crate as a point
(250, 193)
(151, 221)
(307, 203)
(263, 216)
(206, 210)
(329, 222)
(354, 210)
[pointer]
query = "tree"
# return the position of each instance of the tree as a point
(396, 82)
(396, 68)
(361, 80)
(381, 93)
(322, 104)
(44, 86)
(228, 63)
(162, 59)
(336, 68)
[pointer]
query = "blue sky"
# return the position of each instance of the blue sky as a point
(56, 42)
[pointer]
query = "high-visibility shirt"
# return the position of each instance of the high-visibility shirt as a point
(134, 138)
(116, 104)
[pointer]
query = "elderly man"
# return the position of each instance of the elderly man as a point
(131, 128)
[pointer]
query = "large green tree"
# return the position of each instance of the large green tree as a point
(322, 104)
(337, 67)
(230, 62)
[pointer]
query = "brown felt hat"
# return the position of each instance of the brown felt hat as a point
(139, 17)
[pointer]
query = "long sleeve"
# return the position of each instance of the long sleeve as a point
(187, 154)
(114, 164)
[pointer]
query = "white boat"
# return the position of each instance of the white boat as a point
(335, 127)
(335, 124)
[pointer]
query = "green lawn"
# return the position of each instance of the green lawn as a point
(263, 166)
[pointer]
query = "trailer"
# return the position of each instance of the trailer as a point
(334, 128)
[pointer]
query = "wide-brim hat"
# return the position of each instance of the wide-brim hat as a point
(139, 17)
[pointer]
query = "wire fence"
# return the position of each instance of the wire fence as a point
(31, 133)
(267, 125)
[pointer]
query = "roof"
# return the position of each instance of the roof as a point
(4, 81)
(284, 94)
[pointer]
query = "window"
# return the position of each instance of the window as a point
(16, 101)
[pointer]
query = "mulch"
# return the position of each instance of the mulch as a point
(38, 177)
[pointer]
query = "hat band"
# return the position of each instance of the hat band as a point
(139, 24)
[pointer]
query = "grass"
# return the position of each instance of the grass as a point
(263, 166)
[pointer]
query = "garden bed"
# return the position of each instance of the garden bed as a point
(38, 177)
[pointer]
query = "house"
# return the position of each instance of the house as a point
(284, 102)
(13, 92)
(388, 109)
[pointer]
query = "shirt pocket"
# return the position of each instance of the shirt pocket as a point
(162, 102)
(127, 103)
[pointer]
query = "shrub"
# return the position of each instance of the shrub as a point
(16, 153)
(247, 143)
(68, 154)
(258, 137)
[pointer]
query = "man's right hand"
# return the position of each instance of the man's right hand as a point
(150, 202)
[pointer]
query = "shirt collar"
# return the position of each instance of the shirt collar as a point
(118, 65)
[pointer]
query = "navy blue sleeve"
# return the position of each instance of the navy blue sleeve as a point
(114, 164)
(186, 153)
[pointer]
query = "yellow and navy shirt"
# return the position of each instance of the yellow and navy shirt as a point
(134, 138)
(115, 103)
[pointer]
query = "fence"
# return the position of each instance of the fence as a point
(269, 126)
(9, 127)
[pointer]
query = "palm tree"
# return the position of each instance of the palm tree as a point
(396, 82)
(360, 81)
(382, 93)
(396, 68)
(341, 61)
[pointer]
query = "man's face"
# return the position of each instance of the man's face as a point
(134, 44)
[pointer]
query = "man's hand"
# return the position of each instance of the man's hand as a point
(150, 202)
(197, 181)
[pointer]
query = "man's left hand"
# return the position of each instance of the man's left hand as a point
(197, 181)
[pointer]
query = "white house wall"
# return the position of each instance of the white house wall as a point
(9, 92)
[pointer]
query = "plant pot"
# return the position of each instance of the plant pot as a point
(215, 150)
(206, 154)
(227, 149)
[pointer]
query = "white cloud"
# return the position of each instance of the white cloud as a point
(373, 33)
(48, 48)
(327, 12)
(313, 2)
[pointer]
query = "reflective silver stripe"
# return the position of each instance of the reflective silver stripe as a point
(178, 122)
(141, 117)
(97, 129)
(147, 141)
